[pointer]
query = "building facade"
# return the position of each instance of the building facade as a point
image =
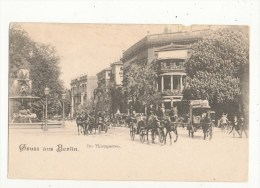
(103, 79)
(92, 85)
(78, 92)
(101, 98)
(169, 51)
(108, 95)
(116, 75)
(144, 50)
(170, 62)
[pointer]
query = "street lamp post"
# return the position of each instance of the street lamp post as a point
(63, 110)
(46, 92)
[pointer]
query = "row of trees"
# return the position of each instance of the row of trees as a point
(42, 62)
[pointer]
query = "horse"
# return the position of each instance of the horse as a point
(81, 122)
(155, 127)
(90, 125)
(171, 126)
(206, 126)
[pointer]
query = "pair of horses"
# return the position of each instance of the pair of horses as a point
(161, 128)
(86, 124)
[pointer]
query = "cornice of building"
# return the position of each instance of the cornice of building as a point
(164, 39)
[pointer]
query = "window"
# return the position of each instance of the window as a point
(159, 83)
(167, 82)
(176, 82)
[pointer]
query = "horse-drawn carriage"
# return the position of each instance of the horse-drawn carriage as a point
(200, 116)
(87, 124)
(132, 124)
(102, 125)
(152, 126)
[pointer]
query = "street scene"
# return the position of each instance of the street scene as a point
(104, 101)
(113, 155)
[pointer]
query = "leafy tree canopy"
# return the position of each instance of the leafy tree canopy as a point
(216, 66)
(140, 83)
(40, 59)
(42, 62)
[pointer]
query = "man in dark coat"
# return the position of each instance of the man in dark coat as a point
(160, 113)
(242, 126)
(150, 111)
(140, 124)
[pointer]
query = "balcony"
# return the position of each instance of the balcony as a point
(170, 66)
(168, 92)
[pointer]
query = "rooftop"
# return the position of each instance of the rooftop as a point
(104, 70)
(117, 63)
(164, 39)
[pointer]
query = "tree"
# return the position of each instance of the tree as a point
(42, 62)
(20, 50)
(103, 99)
(116, 99)
(40, 59)
(215, 66)
(139, 84)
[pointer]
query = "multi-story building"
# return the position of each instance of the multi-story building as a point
(78, 92)
(170, 51)
(103, 78)
(170, 61)
(144, 50)
(110, 79)
(116, 77)
(92, 84)
(101, 92)
(116, 83)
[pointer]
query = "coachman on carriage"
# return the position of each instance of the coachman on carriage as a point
(201, 116)
(88, 122)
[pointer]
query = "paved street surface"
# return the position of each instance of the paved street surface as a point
(115, 156)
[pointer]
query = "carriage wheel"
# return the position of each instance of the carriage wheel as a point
(192, 131)
(132, 133)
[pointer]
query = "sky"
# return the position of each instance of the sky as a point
(89, 48)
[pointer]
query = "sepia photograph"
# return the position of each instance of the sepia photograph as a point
(128, 102)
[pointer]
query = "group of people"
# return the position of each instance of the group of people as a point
(236, 125)
(95, 116)
(158, 115)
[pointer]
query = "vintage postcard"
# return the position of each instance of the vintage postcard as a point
(128, 102)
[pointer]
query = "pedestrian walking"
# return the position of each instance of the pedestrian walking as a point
(242, 126)
(224, 123)
(235, 127)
